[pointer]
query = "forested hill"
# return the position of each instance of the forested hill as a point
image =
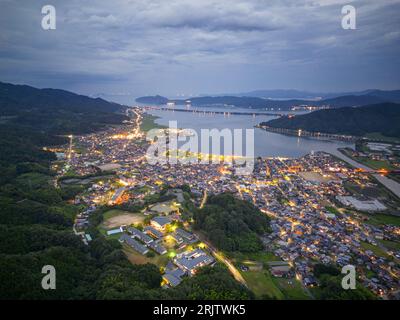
(15, 98)
(381, 118)
(232, 224)
(31, 118)
(262, 103)
(36, 218)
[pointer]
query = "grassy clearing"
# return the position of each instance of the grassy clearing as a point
(375, 249)
(137, 258)
(148, 123)
(263, 257)
(376, 164)
(365, 190)
(115, 218)
(332, 209)
(380, 219)
(262, 284)
(291, 288)
(391, 245)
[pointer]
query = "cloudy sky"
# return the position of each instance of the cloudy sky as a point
(140, 47)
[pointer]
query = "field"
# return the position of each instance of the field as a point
(375, 164)
(88, 180)
(115, 218)
(367, 191)
(315, 177)
(263, 257)
(137, 258)
(262, 283)
(148, 123)
(291, 289)
(375, 249)
(391, 245)
(379, 219)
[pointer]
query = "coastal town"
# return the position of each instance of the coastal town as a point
(322, 210)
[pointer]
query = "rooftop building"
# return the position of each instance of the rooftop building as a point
(139, 235)
(192, 260)
(134, 244)
(362, 205)
(160, 222)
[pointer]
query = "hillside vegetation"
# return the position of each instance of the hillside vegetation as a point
(36, 219)
(381, 118)
(232, 224)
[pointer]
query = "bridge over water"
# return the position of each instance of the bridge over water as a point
(228, 113)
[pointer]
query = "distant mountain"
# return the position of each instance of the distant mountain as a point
(381, 118)
(281, 94)
(352, 101)
(393, 95)
(157, 100)
(261, 103)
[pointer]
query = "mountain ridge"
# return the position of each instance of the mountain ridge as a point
(381, 118)
(261, 103)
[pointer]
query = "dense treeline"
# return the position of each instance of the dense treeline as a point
(380, 118)
(208, 284)
(232, 224)
(36, 222)
(330, 287)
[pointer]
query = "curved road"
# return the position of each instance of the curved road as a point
(388, 183)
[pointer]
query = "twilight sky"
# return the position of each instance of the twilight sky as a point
(170, 47)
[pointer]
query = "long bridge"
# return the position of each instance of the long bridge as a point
(227, 113)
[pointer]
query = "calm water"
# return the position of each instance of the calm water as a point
(267, 144)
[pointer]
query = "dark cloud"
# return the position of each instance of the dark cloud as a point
(158, 46)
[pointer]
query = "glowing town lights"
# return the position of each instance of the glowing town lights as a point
(124, 183)
(202, 245)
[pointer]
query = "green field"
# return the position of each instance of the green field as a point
(114, 218)
(375, 249)
(137, 258)
(263, 257)
(375, 164)
(291, 289)
(262, 284)
(148, 123)
(391, 245)
(380, 219)
(332, 209)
